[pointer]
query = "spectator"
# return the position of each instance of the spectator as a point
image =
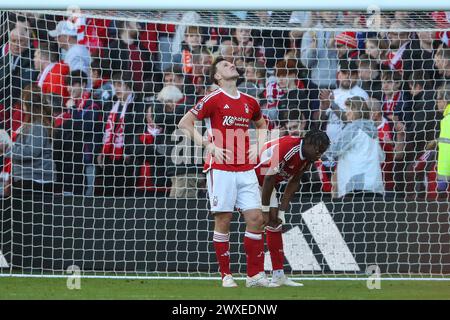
(358, 153)
(376, 49)
(150, 172)
(444, 139)
(190, 46)
(120, 154)
(229, 50)
(302, 19)
(52, 73)
(318, 52)
(246, 47)
(15, 65)
(346, 45)
(102, 87)
(92, 33)
(78, 138)
(294, 125)
(270, 44)
(294, 98)
(442, 62)
(200, 71)
(188, 18)
(253, 79)
(400, 54)
(129, 54)
(75, 55)
(423, 52)
(393, 96)
(33, 168)
(181, 167)
(397, 111)
(334, 112)
(422, 126)
(333, 108)
(385, 137)
(174, 76)
(158, 38)
(370, 76)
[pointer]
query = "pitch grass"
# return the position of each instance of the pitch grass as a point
(106, 289)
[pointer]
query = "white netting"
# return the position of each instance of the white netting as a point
(79, 188)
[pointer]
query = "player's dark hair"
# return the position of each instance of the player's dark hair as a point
(317, 138)
(213, 69)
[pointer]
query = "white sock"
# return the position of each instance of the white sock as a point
(278, 273)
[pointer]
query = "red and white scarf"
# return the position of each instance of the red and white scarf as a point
(114, 138)
(389, 105)
(394, 60)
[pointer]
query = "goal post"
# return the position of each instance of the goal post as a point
(141, 210)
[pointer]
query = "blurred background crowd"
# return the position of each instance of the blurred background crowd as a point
(90, 106)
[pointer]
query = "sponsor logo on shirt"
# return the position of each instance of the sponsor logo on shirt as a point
(235, 121)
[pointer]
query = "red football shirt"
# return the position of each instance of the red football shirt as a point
(282, 157)
(227, 120)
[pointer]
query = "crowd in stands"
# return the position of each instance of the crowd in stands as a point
(91, 105)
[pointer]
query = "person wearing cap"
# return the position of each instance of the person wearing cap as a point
(346, 45)
(76, 56)
(333, 109)
(332, 103)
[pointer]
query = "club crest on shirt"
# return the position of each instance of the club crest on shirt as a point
(199, 106)
(246, 108)
(215, 201)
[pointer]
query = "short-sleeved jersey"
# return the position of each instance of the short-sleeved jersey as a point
(227, 120)
(281, 157)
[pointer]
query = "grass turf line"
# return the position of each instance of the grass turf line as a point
(38, 288)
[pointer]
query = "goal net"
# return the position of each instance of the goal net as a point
(95, 174)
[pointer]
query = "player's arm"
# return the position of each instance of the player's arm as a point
(270, 214)
(187, 124)
(292, 187)
(267, 189)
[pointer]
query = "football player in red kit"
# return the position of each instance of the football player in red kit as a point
(284, 159)
(229, 167)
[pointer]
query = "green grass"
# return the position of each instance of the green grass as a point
(39, 288)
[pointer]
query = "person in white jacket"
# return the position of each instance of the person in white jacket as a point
(357, 152)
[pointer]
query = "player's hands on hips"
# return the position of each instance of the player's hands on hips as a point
(221, 155)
